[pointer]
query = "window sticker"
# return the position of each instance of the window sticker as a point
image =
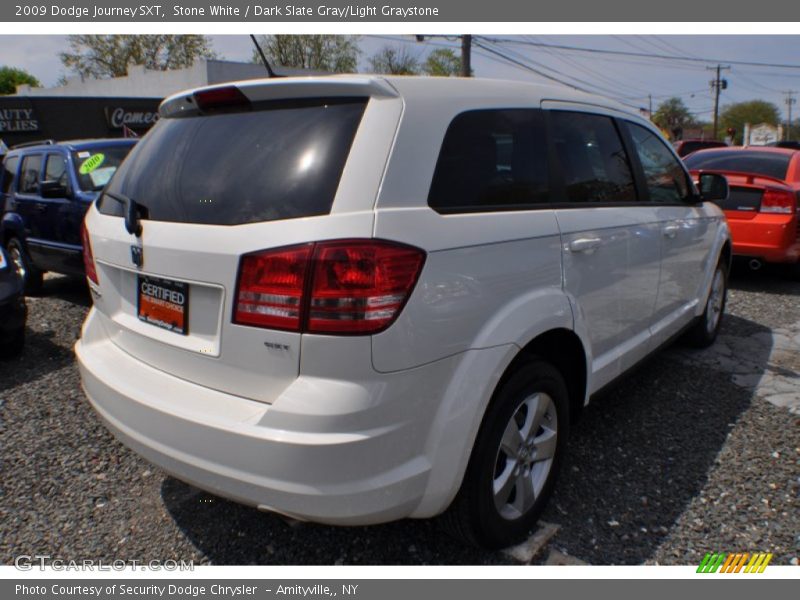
(84, 154)
(91, 163)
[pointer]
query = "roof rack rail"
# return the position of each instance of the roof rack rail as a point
(35, 143)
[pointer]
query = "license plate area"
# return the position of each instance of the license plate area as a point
(163, 303)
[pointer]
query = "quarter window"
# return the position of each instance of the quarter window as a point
(666, 179)
(491, 160)
(29, 177)
(592, 159)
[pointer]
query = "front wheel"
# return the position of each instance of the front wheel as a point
(704, 331)
(515, 460)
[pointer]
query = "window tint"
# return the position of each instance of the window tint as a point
(29, 175)
(665, 177)
(592, 158)
(55, 169)
(9, 171)
(491, 160)
(771, 164)
(278, 161)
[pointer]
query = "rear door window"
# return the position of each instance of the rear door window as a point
(592, 158)
(29, 176)
(278, 161)
(492, 160)
(9, 172)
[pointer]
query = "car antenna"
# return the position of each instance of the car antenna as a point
(270, 72)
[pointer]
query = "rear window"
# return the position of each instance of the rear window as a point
(94, 168)
(744, 161)
(278, 161)
(9, 172)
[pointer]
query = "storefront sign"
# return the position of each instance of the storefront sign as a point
(118, 117)
(18, 119)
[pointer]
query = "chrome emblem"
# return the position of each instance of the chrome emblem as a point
(137, 256)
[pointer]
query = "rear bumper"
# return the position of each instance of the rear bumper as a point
(772, 238)
(330, 451)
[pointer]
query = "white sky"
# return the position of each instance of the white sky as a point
(628, 79)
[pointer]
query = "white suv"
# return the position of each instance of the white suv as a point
(357, 299)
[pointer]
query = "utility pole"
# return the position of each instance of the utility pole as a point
(466, 52)
(790, 99)
(466, 56)
(717, 84)
(650, 104)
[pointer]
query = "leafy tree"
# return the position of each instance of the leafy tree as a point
(394, 61)
(103, 56)
(442, 62)
(11, 77)
(324, 52)
(752, 111)
(673, 116)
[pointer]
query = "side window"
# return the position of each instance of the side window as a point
(29, 176)
(56, 169)
(491, 160)
(592, 158)
(9, 171)
(666, 179)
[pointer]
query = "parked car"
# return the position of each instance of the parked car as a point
(686, 147)
(358, 299)
(45, 189)
(13, 310)
(785, 144)
(762, 209)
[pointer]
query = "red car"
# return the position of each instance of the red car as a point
(762, 208)
(686, 147)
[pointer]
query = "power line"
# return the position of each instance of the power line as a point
(643, 54)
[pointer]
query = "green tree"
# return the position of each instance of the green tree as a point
(442, 62)
(673, 116)
(324, 52)
(753, 112)
(11, 77)
(103, 56)
(394, 61)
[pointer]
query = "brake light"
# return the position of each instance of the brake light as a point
(337, 287)
(222, 97)
(88, 257)
(270, 288)
(777, 201)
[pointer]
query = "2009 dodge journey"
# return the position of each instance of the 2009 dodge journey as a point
(356, 299)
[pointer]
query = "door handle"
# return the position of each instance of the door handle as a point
(41, 207)
(671, 231)
(586, 245)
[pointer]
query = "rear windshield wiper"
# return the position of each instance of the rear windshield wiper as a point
(132, 212)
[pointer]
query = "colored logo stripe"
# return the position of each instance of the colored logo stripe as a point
(733, 563)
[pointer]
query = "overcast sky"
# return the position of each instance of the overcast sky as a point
(627, 78)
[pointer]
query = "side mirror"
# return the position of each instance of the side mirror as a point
(713, 187)
(53, 189)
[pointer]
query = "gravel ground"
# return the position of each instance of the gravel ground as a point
(679, 459)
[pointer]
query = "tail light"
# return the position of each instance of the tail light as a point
(221, 98)
(777, 201)
(338, 287)
(88, 257)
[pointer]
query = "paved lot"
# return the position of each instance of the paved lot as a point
(695, 452)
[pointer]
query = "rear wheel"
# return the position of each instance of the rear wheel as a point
(515, 459)
(31, 276)
(704, 331)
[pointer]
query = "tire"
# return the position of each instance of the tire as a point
(12, 347)
(32, 276)
(704, 331)
(486, 512)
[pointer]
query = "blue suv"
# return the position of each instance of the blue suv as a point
(45, 189)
